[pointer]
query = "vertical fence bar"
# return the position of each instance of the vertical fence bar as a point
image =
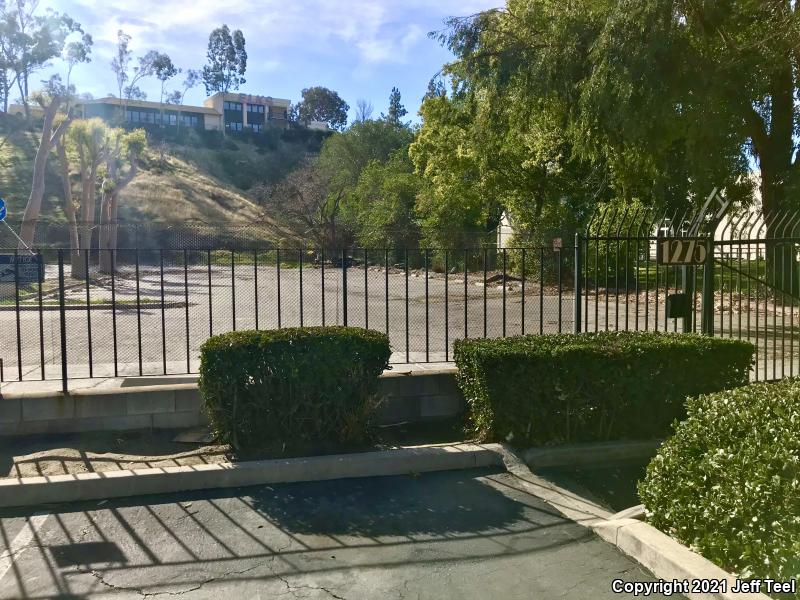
(138, 310)
(708, 293)
(739, 287)
(255, 284)
(576, 301)
(163, 313)
(655, 319)
(586, 288)
(774, 307)
(466, 292)
(114, 311)
(233, 289)
(522, 300)
(366, 290)
(407, 333)
(88, 313)
(616, 279)
(485, 266)
(627, 281)
(278, 282)
(344, 287)
(636, 283)
(597, 282)
(505, 266)
(186, 307)
(17, 314)
(300, 273)
(40, 271)
(791, 312)
(210, 307)
(386, 286)
(608, 245)
(560, 288)
(446, 306)
(427, 322)
(647, 288)
(758, 286)
(322, 282)
(541, 290)
(783, 310)
(62, 322)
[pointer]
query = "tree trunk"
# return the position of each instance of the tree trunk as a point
(69, 207)
(34, 206)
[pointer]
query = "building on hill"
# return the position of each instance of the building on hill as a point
(233, 112)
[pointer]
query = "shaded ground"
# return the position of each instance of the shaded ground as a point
(457, 534)
(612, 485)
(32, 456)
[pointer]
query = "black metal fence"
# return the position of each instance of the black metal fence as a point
(151, 312)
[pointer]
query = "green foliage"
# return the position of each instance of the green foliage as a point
(227, 60)
(595, 386)
(321, 104)
(269, 390)
(727, 482)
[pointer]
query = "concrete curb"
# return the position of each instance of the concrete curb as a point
(30, 491)
(665, 557)
(660, 554)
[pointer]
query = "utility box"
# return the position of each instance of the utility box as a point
(678, 306)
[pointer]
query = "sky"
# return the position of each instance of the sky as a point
(360, 48)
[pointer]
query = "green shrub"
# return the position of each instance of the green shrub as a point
(268, 390)
(728, 482)
(594, 386)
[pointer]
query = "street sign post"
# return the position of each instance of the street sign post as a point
(29, 268)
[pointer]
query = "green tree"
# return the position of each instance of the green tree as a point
(674, 97)
(227, 60)
(324, 105)
(396, 110)
(381, 207)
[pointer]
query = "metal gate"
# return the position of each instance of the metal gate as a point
(734, 274)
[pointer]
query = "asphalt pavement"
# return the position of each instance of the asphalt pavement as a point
(457, 534)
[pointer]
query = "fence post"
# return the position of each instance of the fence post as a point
(576, 307)
(708, 291)
(344, 287)
(688, 285)
(63, 321)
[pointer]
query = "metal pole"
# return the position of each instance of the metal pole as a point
(708, 293)
(63, 322)
(577, 305)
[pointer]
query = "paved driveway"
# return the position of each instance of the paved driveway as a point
(457, 534)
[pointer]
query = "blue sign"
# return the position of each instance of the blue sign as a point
(29, 268)
(2, 210)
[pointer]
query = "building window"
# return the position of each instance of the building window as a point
(255, 108)
(255, 126)
(233, 106)
(234, 126)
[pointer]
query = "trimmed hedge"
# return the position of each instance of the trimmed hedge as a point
(268, 390)
(728, 482)
(566, 388)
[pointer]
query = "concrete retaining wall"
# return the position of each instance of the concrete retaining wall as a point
(415, 396)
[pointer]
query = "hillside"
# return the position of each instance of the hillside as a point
(194, 182)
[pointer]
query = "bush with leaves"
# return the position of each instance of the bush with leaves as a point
(279, 389)
(727, 483)
(549, 389)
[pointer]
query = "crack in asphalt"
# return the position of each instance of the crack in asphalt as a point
(291, 588)
(99, 576)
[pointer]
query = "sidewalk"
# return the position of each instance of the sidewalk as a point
(54, 385)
